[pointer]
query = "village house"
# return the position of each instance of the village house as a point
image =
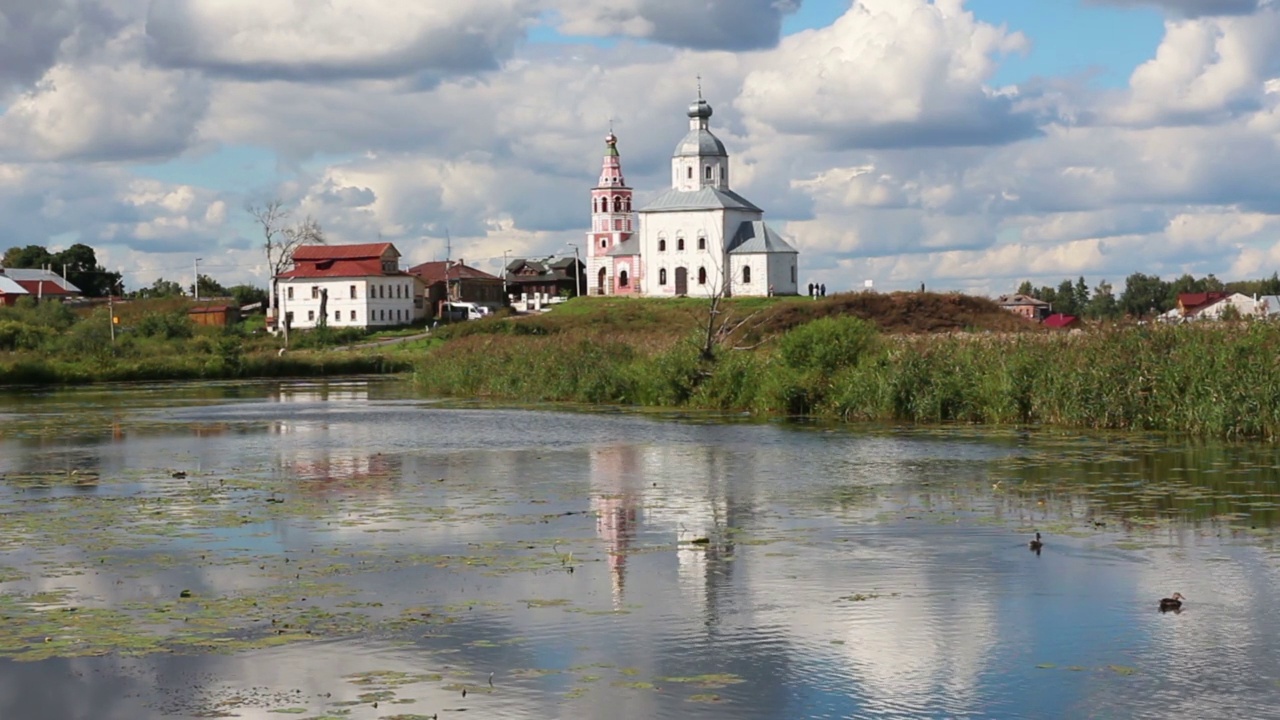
(38, 284)
(351, 286)
(10, 290)
(1216, 305)
(455, 281)
(1024, 305)
(699, 238)
(550, 278)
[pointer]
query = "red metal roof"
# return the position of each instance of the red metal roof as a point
(43, 288)
(434, 272)
(339, 269)
(342, 252)
(1192, 301)
(1059, 320)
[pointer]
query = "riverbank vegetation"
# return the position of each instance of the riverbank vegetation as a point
(50, 343)
(868, 357)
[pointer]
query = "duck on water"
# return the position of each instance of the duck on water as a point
(1171, 603)
(1036, 544)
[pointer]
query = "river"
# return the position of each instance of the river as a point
(346, 549)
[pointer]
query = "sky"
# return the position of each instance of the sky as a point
(964, 144)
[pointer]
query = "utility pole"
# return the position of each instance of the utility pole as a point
(196, 285)
(577, 276)
(448, 260)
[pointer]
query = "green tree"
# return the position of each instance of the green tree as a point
(1144, 295)
(162, 288)
(1082, 294)
(1103, 304)
(1066, 299)
(31, 256)
(212, 288)
(1026, 288)
(248, 295)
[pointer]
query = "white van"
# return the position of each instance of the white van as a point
(464, 311)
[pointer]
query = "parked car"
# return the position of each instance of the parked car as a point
(463, 311)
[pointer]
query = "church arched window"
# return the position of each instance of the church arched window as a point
(662, 244)
(691, 172)
(702, 242)
(617, 203)
(708, 172)
(702, 276)
(679, 244)
(623, 279)
(746, 274)
(626, 204)
(662, 276)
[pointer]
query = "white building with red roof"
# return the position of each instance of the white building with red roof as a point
(37, 283)
(350, 286)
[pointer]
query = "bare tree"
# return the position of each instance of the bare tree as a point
(721, 324)
(280, 239)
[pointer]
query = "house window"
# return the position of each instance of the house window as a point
(315, 292)
(702, 243)
(353, 292)
(662, 244)
(353, 316)
(746, 274)
(680, 244)
(662, 276)
(288, 292)
(702, 276)
(311, 316)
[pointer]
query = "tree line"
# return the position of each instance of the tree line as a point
(1143, 296)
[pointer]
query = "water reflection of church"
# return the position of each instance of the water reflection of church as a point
(690, 501)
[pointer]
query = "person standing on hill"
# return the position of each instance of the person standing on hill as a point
(823, 291)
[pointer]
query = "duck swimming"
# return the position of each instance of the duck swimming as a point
(1171, 603)
(1036, 544)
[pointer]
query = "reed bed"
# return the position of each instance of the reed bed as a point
(1220, 380)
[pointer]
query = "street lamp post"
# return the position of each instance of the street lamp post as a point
(577, 274)
(505, 299)
(196, 285)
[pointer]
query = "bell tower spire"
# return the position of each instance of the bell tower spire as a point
(612, 223)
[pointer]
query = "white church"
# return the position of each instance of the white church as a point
(697, 239)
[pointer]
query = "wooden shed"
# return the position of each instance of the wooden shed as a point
(218, 315)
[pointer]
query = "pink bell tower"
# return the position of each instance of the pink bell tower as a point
(613, 265)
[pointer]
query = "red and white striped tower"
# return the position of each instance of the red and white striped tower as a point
(612, 222)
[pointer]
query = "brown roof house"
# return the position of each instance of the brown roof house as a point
(1024, 305)
(455, 281)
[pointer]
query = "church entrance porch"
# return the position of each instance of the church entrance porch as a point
(602, 282)
(682, 281)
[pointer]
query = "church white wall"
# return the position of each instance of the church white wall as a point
(672, 226)
(784, 273)
(758, 284)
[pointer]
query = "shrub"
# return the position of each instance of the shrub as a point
(829, 344)
(168, 326)
(16, 335)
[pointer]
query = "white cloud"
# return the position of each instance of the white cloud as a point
(1205, 69)
(301, 40)
(880, 143)
(707, 24)
(889, 73)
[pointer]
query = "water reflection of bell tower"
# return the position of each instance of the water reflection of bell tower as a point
(616, 507)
